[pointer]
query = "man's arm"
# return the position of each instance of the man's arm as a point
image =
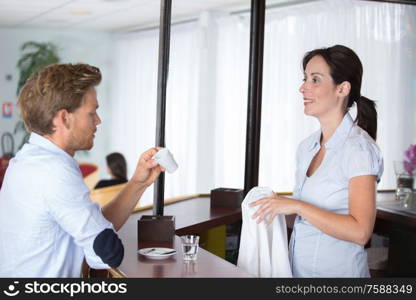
(119, 209)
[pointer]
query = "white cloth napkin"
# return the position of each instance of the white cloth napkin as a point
(263, 248)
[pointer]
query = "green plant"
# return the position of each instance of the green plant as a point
(35, 56)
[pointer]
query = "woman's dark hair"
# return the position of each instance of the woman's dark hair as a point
(117, 164)
(345, 65)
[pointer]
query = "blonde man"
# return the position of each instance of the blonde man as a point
(48, 223)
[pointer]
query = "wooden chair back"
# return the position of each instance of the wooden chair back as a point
(104, 195)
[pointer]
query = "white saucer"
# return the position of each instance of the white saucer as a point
(157, 252)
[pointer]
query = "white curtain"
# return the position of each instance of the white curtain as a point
(382, 34)
(134, 103)
(207, 89)
(231, 101)
(133, 109)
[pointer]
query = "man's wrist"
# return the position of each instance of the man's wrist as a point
(138, 184)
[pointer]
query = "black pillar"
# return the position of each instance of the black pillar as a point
(163, 70)
(255, 81)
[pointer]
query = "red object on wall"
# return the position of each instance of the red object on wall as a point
(7, 109)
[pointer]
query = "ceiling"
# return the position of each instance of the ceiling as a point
(106, 15)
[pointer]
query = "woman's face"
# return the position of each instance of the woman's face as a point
(320, 97)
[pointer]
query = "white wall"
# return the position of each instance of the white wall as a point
(90, 47)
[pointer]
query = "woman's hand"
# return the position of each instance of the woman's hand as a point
(273, 206)
(147, 170)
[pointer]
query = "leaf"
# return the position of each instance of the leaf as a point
(35, 56)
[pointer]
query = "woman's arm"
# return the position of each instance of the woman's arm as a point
(355, 227)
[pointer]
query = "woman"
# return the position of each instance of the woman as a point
(117, 168)
(337, 171)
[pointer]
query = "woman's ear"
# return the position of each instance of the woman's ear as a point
(344, 89)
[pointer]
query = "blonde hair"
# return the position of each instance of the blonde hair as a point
(52, 88)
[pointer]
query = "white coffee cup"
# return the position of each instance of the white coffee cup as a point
(164, 158)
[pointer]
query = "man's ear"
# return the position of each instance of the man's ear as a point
(62, 119)
(344, 89)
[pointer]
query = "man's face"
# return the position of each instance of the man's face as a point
(83, 123)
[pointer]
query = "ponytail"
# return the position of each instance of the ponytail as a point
(367, 116)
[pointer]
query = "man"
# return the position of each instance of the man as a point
(48, 223)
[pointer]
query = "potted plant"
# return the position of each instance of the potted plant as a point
(35, 56)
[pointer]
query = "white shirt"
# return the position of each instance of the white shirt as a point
(263, 247)
(350, 152)
(47, 220)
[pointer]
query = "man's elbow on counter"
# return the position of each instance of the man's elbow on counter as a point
(108, 246)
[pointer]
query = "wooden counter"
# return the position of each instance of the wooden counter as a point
(389, 210)
(399, 225)
(191, 216)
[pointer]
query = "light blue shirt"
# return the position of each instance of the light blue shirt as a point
(47, 220)
(350, 152)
